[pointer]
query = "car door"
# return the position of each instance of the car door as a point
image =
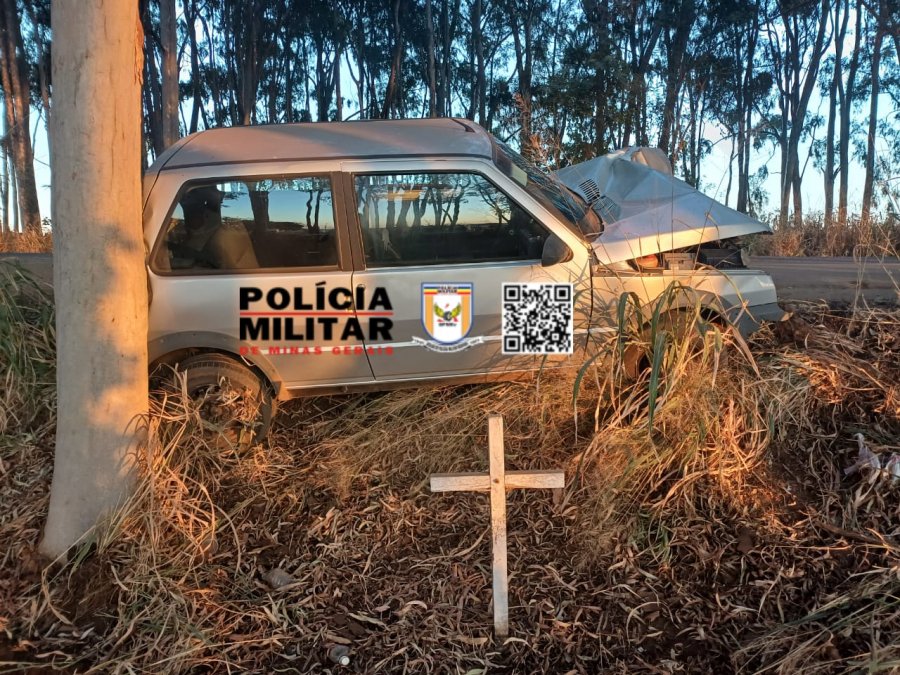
(441, 239)
(261, 261)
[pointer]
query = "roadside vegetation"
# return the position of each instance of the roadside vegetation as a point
(25, 242)
(812, 237)
(735, 509)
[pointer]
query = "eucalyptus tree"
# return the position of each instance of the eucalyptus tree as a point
(739, 84)
(17, 100)
(679, 18)
(796, 42)
(879, 16)
(100, 282)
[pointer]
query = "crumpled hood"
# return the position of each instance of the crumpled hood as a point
(645, 209)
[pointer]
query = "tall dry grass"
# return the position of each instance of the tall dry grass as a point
(707, 524)
(27, 358)
(26, 242)
(850, 237)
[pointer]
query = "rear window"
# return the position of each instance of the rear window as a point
(244, 224)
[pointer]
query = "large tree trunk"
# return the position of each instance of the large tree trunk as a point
(99, 278)
(168, 38)
(836, 79)
(14, 79)
(391, 93)
(676, 43)
(429, 46)
(5, 226)
(869, 183)
(195, 70)
(846, 110)
(478, 48)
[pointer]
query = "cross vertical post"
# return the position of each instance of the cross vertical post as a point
(496, 482)
(498, 524)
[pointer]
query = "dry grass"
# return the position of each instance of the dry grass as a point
(852, 237)
(27, 395)
(26, 242)
(722, 536)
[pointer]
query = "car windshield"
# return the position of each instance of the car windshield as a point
(565, 204)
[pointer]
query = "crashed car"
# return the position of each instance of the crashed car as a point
(305, 259)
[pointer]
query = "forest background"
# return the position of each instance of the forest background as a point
(785, 109)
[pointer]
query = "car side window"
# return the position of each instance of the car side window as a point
(442, 218)
(245, 224)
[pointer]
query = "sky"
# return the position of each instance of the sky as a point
(714, 178)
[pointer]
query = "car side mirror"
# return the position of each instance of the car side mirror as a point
(555, 251)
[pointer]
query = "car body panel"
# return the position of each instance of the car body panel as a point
(735, 295)
(409, 358)
(209, 302)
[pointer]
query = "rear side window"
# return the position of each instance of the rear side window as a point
(442, 218)
(244, 224)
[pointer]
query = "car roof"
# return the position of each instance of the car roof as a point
(328, 140)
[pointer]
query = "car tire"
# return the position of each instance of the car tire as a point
(236, 403)
(636, 359)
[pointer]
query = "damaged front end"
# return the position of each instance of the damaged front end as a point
(653, 220)
(658, 231)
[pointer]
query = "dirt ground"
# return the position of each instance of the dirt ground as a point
(737, 532)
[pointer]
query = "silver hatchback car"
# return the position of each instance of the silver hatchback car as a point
(335, 257)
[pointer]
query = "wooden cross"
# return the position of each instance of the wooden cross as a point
(497, 482)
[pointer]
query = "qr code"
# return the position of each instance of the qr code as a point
(537, 318)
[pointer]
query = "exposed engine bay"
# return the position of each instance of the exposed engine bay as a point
(725, 255)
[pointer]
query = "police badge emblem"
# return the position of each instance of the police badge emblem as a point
(447, 316)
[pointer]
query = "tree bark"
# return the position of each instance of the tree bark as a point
(152, 86)
(676, 44)
(5, 225)
(522, 26)
(846, 110)
(195, 69)
(837, 77)
(99, 277)
(248, 62)
(745, 38)
(338, 95)
(393, 85)
(448, 32)
(429, 46)
(40, 22)
(14, 79)
(168, 40)
(478, 48)
(869, 183)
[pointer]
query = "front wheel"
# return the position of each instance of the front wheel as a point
(233, 401)
(681, 325)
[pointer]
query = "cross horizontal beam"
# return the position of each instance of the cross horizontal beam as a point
(481, 482)
(497, 481)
